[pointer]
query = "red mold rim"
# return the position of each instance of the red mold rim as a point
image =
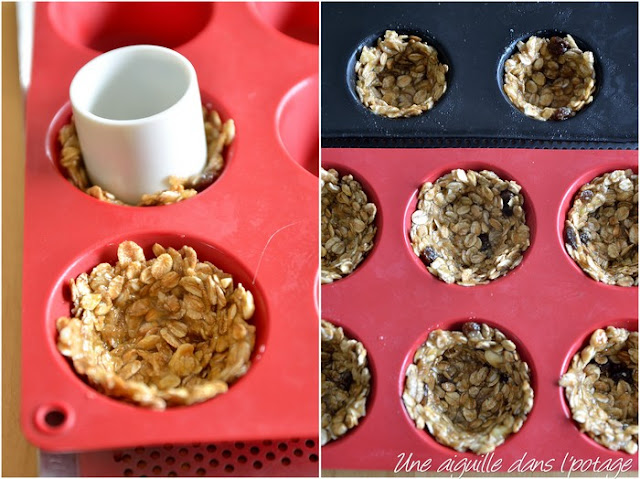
(63, 117)
(371, 398)
(297, 123)
(456, 325)
(295, 20)
(104, 26)
(59, 302)
(567, 203)
(372, 197)
(433, 176)
(578, 345)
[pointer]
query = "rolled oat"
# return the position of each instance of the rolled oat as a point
(347, 223)
(219, 135)
(345, 382)
(469, 388)
(550, 78)
(601, 387)
(400, 77)
(601, 229)
(469, 227)
(161, 332)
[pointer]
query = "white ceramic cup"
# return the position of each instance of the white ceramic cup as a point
(138, 116)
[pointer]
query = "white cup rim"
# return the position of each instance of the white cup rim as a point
(79, 108)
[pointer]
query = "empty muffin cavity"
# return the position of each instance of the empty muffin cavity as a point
(601, 387)
(345, 382)
(601, 229)
(469, 388)
(470, 227)
(401, 76)
(550, 78)
(347, 225)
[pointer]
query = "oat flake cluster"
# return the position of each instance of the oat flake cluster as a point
(161, 332)
(469, 388)
(219, 135)
(346, 382)
(400, 77)
(601, 387)
(550, 78)
(347, 224)
(469, 227)
(601, 230)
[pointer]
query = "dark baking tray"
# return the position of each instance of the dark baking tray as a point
(475, 39)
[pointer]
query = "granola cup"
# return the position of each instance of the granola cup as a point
(469, 388)
(550, 78)
(601, 387)
(346, 382)
(161, 332)
(347, 224)
(219, 135)
(601, 229)
(469, 227)
(400, 77)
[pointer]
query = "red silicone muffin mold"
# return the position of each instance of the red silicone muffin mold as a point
(546, 305)
(258, 221)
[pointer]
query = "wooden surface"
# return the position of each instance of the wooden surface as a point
(18, 456)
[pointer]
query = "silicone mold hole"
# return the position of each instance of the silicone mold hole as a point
(299, 20)
(372, 197)
(456, 325)
(109, 25)
(297, 123)
(567, 202)
(59, 303)
(433, 176)
(513, 48)
(64, 115)
(53, 418)
(371, 41)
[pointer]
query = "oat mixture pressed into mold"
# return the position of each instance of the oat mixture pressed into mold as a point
(469, 388)
(400, 77)
(469, 227)
(346, 382)
(162, 332)
(219, 135)
(550, 78)
(347, 224)
(601, 229)
(601, 387)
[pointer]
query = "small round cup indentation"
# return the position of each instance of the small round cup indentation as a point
(299, 20)
(371, 396)
(105, 26)
(64, 116)
(577, 346)
(433, 176)
(60, 303)
(567, 203)
(372, 197)
(54, 418)
(371, 41)
(297, 122)
(456, 325)
(548, 33)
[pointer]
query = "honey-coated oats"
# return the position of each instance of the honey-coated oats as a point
(159, 332)
(469, 388)
(601, 387)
